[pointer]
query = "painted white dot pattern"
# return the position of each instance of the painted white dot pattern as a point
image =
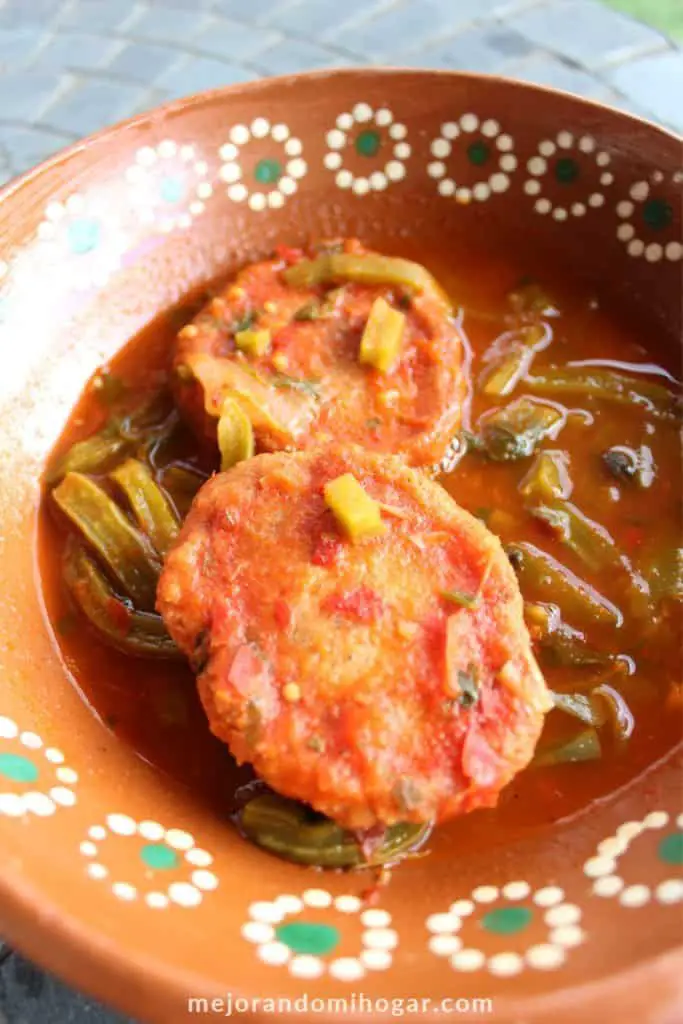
(18, 797)
(562, 914)
(548, 896)
(516, 890)
(279, 178)
(169, 185)
(468, 960)
(647, 212)
(602, 868)
(274, 953)
(608, 886)
(257, 931)
(145, 881)
(375, 918)
(439, 923)
(444, 945)
(504, 965)
(178, 839)
(156, 900)
(317, 898)
(462, 908)
(635, 896)
(264, 911)
(121, 824)
(347, 969)
(151, 830)
(31, 740)
(568, 173)
(97, 871)
(449, 931)
(378, 937)
(460, 132)
(39, 804)
(568, 936)
(347, 904)
(485, 894)
(124, 891)
(376, 959)
(289, 904)
(8, 728)
(184, 894)
(306, 966)
(84, 237)
(372, 122)
(670, 891)
(545, 956)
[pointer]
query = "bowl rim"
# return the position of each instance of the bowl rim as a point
(208, 96)
(84, 956)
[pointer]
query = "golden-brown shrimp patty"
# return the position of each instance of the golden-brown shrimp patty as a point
(380, 680)
(304, 383)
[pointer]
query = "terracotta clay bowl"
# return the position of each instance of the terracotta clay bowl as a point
(95, 244)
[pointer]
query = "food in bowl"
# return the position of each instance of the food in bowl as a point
(340, 343)
(359, 638)
(380, 675)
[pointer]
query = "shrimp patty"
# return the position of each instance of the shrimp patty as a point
(286, 338)
(381, 679)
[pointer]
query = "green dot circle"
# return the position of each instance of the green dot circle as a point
(268, 171)
(159, 856)
(566, 170)
(671, 848)
(18, 768)
(507, 920)
(368, 143)
(478, 152)
(306, 937)
(657, 214)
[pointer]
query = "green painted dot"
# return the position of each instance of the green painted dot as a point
(657, 214)
(18, 768)
(267, 172)
(83, 235)
(671, 848)
(172, 189)
(159, 856)
(507, 920)
(478, 153)
(566, 170)
(303, 937)
(368, 143)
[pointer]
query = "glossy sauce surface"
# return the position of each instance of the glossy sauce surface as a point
(152, 706)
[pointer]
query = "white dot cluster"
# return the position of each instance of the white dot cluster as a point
(602, 867)
(441, 148)
(240, 135)
(86, 270)
(637, 247)
(181, 892)
(378, 939)
(146, 173)
(22, 800)
(537, 167)
(561, 918)
(337, 139)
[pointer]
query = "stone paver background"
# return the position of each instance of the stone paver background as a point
(70, 67)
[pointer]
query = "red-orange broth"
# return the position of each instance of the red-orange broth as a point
(152, 705)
